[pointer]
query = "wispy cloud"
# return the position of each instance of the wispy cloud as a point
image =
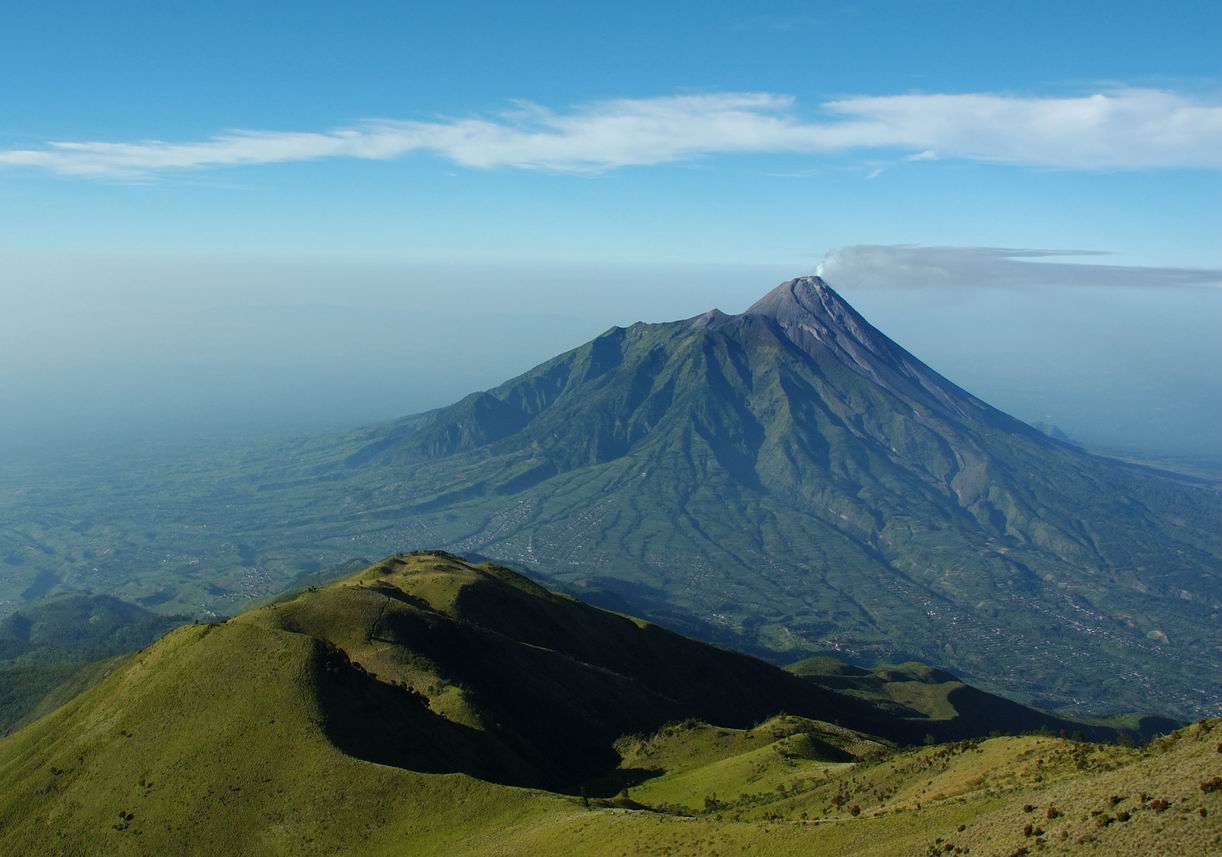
(906, 266)
(1122, 129)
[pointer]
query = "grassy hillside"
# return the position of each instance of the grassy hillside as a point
(366, 718)
(545, 683)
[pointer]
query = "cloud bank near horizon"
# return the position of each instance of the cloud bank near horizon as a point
(905, 266)
(1124, 129)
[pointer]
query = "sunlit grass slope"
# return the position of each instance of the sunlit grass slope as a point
(995, 796)
(214, 741)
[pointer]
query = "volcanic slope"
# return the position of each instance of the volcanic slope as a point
(376, 716)
(787, 481)
(790, 480)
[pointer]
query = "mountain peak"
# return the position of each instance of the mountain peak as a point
(816, 319)
(810, 311)
(801, 296)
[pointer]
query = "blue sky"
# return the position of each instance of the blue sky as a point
(184, 72)
(701, 150)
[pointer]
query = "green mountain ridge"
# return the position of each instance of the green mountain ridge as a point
(552, 683)
(431, 705)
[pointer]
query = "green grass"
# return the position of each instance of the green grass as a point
(205, 770)
(706, 764)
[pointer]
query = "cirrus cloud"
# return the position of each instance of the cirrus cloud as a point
(1120, 130)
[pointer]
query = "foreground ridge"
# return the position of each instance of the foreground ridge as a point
(404, 707)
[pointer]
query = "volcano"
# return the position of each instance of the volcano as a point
(786, 481)
(790, 480)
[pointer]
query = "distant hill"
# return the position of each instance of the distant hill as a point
(53, 648)
(78, 627)
(788, 481)
(430, 706)
(1053, 432)
(919, 691)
